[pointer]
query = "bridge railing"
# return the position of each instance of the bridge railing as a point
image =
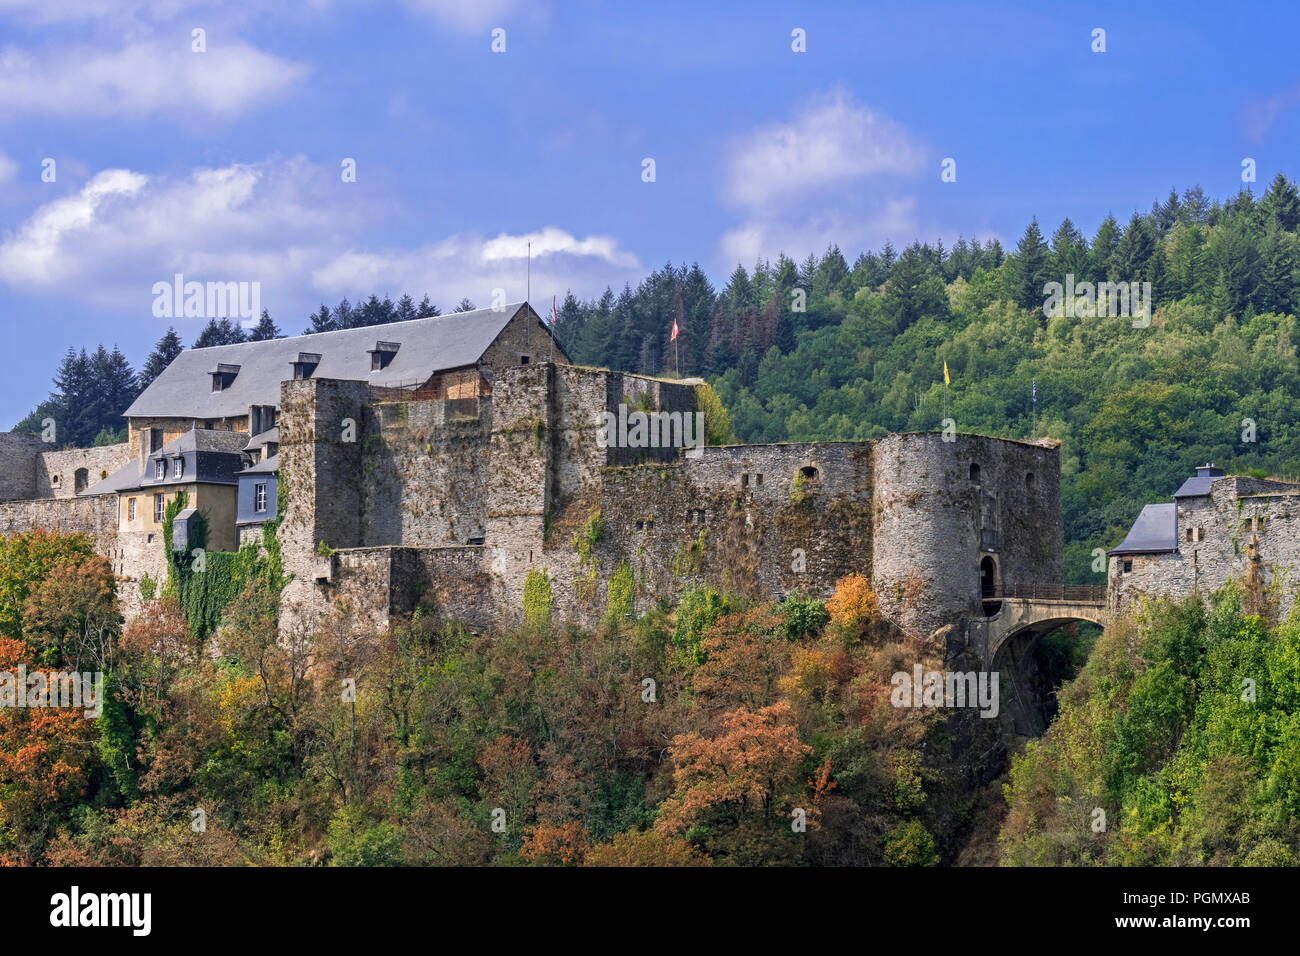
(1074, 593)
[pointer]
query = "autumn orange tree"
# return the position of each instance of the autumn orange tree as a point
(734, 792)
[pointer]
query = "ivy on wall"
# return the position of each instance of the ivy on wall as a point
(205, 582)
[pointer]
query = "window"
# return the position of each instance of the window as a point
(1029, 480)
(159, 507)
(56, 481)
(130, 509)
(178, 467)
(974, 472)
(80, 479)
(1128, 565)
(259, 497)
(382, 355)
(524, 359)
(159, 469)
(744, 481)
(809, 473)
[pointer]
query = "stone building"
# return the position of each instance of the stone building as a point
(1218, 527)
(455, 505)
(442, 461)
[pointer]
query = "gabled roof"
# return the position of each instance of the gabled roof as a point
(1199, 484)
(427, 345)
(270, 466)
(1154, 532)
(272, 435)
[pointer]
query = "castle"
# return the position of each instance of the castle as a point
(1218, 527)
(439, 461)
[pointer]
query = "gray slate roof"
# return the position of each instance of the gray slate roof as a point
(268, 467)
(428, 345)
(213, 455)
(1155, 531)
(126, 477)
(272, 434)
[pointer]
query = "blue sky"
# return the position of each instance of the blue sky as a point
(225, 165)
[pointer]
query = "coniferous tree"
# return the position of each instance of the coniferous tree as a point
(219, 332)
(264, 329)
(168, 347)
(1282, 202)
(465, 305)
(1069, 254)
(322, 321)
(1030, 271)
(405, 309)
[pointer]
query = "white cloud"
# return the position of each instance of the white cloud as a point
(469, 265)
(833, 174)
(36, 256)
(286, 223)
(143, 78)
(8, 169)
(834, 141)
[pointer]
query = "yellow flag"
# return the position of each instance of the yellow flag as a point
(946, 380)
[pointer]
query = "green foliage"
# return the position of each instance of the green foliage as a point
(717, 422)
(587, 537)
(910, 844)
(622, 587)
(697, 611)
(26, 559)
(148, 587)
(355, 840)
(537, 599)
(1181, 731)
(804, 617)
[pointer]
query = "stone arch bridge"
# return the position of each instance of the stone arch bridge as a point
(1033, 612)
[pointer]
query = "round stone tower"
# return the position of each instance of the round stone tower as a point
(960, 522)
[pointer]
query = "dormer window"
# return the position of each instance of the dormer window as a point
(381, 356)
(178, 467)
(306, 364)
(159, 469)
(223, 376)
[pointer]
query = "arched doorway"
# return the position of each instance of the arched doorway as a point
(989, 590)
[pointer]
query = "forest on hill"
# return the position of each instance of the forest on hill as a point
(1136, 408)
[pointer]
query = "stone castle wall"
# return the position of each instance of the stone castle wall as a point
(436, 500)
(56, 471)
(1243, 522)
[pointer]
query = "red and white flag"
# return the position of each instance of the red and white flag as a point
(554, 315)
(673, 337)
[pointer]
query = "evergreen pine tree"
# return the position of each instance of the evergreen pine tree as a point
(168, 347)
(265, 329)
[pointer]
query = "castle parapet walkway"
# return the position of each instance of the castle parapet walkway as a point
(1036, 610)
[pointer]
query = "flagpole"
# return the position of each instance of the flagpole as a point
(677, 358)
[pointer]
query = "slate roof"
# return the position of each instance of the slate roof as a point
(428, 345)
(125, 478)
(1199, 484)
(214, 456)
(272, 435)
(268, 467)
(1154, 532)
